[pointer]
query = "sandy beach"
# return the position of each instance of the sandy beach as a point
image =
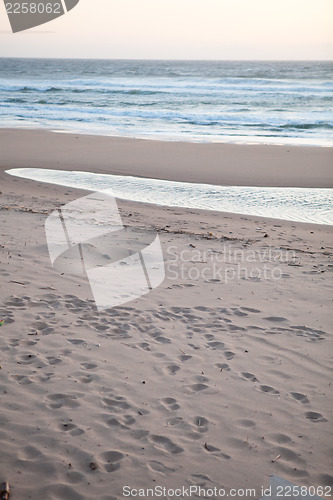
(220, 377)
(212, 163)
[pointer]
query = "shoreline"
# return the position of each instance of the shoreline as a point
(239, 140)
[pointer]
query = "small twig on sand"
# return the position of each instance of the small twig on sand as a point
(18, 282)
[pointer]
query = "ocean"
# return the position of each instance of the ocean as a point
(206, 101)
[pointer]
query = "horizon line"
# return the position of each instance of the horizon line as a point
(164, 59)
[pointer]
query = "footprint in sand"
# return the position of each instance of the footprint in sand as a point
(249, 376)
(22, 379)
(7, 317)
(177, 421)
(309, 333)
(165, 444)
(215, 451)
(71, 429)
(139, 434)
(60, 400)
(315, 417)
(29, 343)
(89, 366)
(250, 309)
(15, 302)
(170, 369)
(185, 357)
(229, 354)
(46, 377)
(275, 319)
(155, 466)
(170, 404)
(223, 367)
(121, 422)
(215, 345)
(201, 424)
(200, 479)
(117, 404)
(41, 326)
(77, 341)
(86, 379)
(195, 347)
(197, 387)
(110, 461)
(290, 456)
(162, 340)
(200, 385)
(144, 345)
(299, 397)
(14, 342)
(235, 328)
(278, 438)
(237, 312)
(268, 390)
(27, 359)
(54, 361)
(326, 479)
(29, 453)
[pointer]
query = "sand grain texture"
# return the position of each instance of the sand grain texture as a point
(200, 382)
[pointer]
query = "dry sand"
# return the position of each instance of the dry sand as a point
(203, 381)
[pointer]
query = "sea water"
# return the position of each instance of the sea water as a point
(226, 101)
(312, 205)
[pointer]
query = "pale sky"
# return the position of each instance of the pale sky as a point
(180, 29)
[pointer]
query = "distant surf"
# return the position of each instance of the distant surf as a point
(206, 101)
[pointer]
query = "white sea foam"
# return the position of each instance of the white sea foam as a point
(312, 205)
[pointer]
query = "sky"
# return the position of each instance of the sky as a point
(180, 29)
